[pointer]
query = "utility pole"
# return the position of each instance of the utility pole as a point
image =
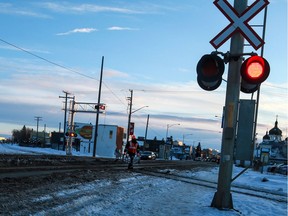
(146, 132)
(71, 127)
(44, 135)
(129, 115)
(65, 115)
(37, 118)
(97, 113)
(223, 198)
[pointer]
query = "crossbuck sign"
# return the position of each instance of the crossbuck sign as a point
(239, 22)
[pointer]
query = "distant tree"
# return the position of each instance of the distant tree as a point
(16, 136)
(198, 150)
(23, 136)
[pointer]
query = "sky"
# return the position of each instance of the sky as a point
(141, 194)
(151, 47)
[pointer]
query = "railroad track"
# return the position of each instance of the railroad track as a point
(259, 193)
(60, 164)
(45, 165)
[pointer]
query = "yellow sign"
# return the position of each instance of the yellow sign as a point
(85, 131)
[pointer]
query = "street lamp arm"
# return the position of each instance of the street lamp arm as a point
(168, 126)
(185, 135)
(138, 109)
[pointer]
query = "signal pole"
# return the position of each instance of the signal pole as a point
(223, 198)
(65, 116)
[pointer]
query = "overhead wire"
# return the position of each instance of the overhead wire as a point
(61, 66)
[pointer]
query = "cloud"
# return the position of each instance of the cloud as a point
(7, 8)
(115, 73)
(14, 48)
(83, 8)
(118, 28)
(27, 84)
(78, 30)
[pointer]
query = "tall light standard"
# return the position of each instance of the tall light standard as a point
(185, 135)
(37, 118)
(168, 126)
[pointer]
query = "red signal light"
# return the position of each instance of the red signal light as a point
(255, 70)
(102, 107)
(71, 134)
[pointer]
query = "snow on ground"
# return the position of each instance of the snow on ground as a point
(146, 195)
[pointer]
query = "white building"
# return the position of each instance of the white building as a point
(109, 138)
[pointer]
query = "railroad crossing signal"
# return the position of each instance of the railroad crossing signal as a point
(100, 107)
(239, 22)
(71, 134)
(210, 69)
(238, 29)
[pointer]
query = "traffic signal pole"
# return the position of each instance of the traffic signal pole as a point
(223, 198)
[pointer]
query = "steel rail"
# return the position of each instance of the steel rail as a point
(259, 193)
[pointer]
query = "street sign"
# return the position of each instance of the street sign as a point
(239, 22)
(131, 132)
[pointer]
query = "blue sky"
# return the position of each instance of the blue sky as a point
(150, 46)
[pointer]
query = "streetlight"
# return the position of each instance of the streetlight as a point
(168, 126)
(184, 136)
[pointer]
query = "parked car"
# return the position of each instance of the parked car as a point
(278, 168)
(283, 169)
(148, 155)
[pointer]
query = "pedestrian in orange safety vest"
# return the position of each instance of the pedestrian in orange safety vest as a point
(132, 148)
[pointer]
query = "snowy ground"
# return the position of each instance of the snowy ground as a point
(134, 194)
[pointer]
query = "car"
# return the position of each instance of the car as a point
(283, 169)
(278, 168)
(148, 155)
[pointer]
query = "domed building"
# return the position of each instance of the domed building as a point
(273, 139)
(266, 138)
(275, 133)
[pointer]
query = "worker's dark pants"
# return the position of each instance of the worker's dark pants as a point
(131, 155)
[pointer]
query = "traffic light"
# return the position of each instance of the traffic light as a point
(254, 71)
(210, 69)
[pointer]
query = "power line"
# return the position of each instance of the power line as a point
(61, 66)
(44, 59)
